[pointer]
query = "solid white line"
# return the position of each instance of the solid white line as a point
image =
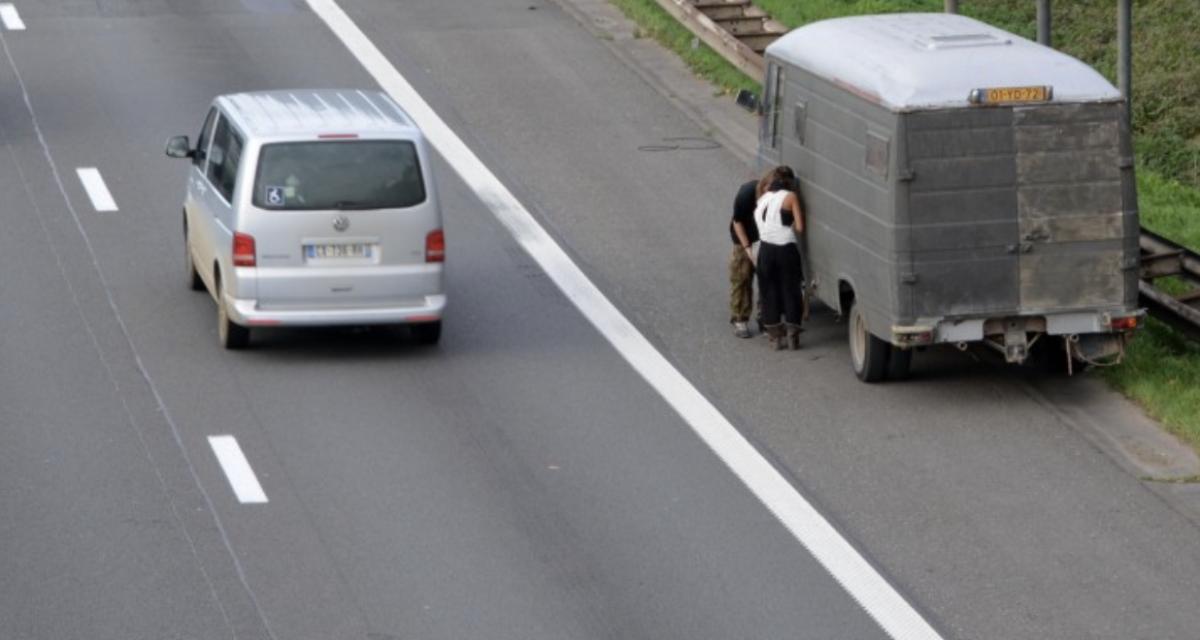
(11, 19)
(93, 183)
(237, 469)
(895, 615)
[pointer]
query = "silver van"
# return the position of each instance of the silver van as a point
(312, 208)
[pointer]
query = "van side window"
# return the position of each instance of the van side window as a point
(800, 120)
(204, 138)
(773, 99)
(225, 157)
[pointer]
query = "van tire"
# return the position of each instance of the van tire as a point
(868, 354)
(195, 282)
(427, 333)
(230, 334)
(899, 363)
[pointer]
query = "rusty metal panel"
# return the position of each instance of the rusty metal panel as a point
(1086, 277)
(979, 281)
(1070, 207)
(962, 203)
(850, 229)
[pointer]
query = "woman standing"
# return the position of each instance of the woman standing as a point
(779, 219)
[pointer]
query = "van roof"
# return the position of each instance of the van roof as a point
(307, 111)
(914, 61)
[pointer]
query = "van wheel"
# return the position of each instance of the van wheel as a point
(899, 363)
(868, 354)
(230, 334)
(427, 332)
(195, 283)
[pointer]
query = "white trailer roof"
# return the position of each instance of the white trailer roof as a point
(914, 61)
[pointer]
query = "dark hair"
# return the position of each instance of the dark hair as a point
(782, 177)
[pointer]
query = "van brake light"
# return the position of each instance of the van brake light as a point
(243, 250)
(1124, 323)
(435, 246)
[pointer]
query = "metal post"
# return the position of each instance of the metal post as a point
(1125, 55)
(1043, 22)
(951, 6)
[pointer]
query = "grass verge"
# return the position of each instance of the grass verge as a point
(703, 61)
(1162, 370)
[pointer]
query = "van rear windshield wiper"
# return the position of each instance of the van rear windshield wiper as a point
(353, 204)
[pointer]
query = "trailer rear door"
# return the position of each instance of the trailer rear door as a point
(1069, 206)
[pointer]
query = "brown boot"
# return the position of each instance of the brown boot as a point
(793, 335)
(778, 336)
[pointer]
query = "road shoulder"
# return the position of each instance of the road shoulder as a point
(1108, 420)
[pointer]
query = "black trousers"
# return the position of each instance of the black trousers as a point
(779, 277)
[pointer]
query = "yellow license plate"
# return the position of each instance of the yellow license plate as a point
(1009, 95)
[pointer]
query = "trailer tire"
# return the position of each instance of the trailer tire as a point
(899, 363)
(868, 354)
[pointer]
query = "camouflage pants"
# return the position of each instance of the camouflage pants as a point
(741, 286)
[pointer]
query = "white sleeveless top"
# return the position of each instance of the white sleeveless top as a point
(768, 218)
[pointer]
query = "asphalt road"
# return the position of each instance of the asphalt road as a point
(519, 481)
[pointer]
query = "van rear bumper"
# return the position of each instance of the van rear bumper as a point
(1090, 335)
(246, 313)
(955, 330)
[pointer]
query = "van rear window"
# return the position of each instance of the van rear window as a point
(343, 174)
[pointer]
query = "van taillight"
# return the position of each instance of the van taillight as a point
(1125, 323)
(435, 246)
(243, 250)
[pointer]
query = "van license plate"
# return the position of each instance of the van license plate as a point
(323, 251)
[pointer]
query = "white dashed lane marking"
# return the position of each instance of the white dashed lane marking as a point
(9, 16)
(93, 183)
(237, 469)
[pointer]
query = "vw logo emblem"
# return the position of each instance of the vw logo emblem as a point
(341, 223)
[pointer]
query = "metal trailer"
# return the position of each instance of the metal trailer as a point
(961, 184)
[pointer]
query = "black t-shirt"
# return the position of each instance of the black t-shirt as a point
(743, 212)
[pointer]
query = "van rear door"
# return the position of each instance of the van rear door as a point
(1069, 206)
(343, 223)
(962, 211)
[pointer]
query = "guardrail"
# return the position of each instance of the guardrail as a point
(739, 32)
(1162, 258)
(736, 29)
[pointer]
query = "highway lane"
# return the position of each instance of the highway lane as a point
(1003, 524)
(516, 482)
(977, 494)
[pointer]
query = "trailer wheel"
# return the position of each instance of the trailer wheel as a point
(899, 362)
(868, 354)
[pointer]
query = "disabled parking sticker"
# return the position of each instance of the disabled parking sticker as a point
(275, 196)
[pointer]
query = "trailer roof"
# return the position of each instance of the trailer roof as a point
(914, 61)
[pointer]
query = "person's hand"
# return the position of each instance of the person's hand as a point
(749, 253)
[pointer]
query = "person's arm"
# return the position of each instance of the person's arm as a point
(793, 203)
(743, 239)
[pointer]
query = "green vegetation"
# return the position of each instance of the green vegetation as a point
(1162, 373)
(705, 62)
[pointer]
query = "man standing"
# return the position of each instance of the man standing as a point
(744, 234)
